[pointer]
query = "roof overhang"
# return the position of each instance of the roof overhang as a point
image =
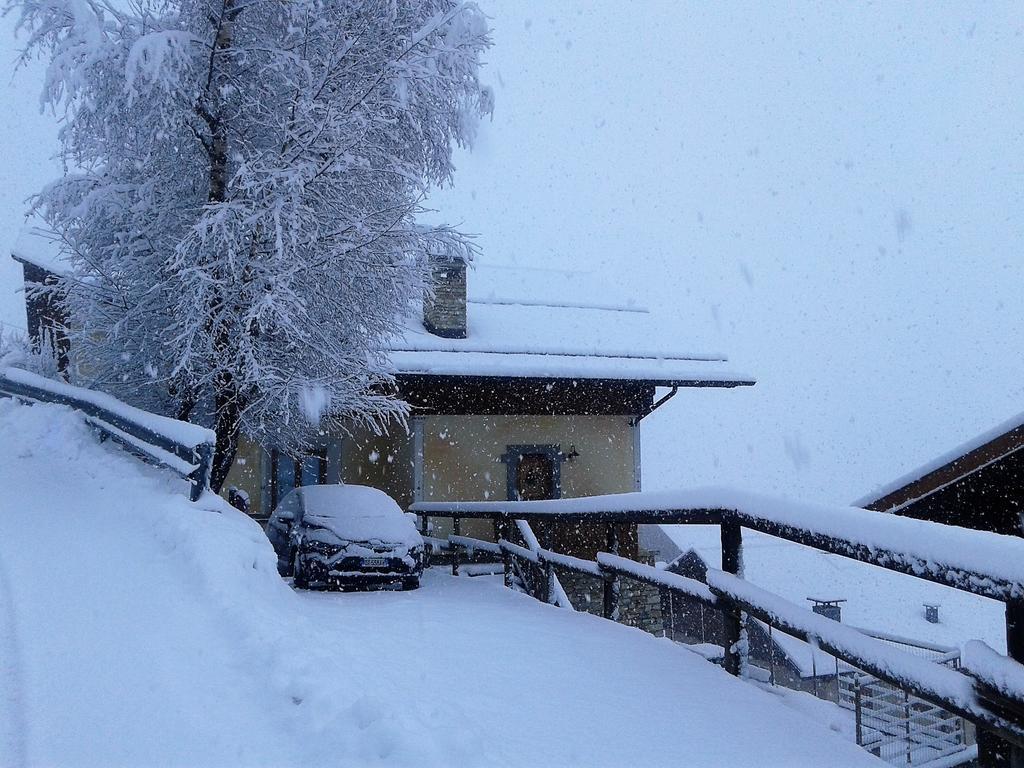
(502, 366)
(437, 393)
(947, 470)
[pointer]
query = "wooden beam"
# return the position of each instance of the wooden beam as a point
(610, 587)
(951, 576)
(732, 562)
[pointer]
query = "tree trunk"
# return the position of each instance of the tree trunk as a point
(226, 398)
(229, 410)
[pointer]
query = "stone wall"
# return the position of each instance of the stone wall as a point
(640, 604)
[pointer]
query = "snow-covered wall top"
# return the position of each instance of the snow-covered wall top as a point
(181, 432)
(39, 246)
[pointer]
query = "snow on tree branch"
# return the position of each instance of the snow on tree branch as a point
(243, 190)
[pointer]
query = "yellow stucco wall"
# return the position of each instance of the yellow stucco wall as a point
(381, 461)
(462, 460)
(462, 457)
(246, 473)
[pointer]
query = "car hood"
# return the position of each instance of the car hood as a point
(385, 530)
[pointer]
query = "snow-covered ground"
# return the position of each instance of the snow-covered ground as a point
(139, 629)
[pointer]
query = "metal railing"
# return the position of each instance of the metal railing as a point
(186, 449)
(898, 726)
(932, 685)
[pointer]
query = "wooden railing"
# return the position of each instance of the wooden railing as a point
(972, 561)
(185, 448)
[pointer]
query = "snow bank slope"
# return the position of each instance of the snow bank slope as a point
(121, 608)
(137, 629)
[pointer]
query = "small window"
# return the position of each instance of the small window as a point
(287, 473)
(535, 477)
(314, 471)
(534, 472)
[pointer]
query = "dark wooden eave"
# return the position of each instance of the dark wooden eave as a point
(507, 395)
(953, 471)
(982, 489)
(536, 396)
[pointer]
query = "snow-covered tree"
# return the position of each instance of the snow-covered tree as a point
(242, 184)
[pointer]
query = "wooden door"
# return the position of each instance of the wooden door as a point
(535, 477)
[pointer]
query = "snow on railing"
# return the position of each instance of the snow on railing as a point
(523, 553)
(532, 553)
(571, 563)
(472, 545)
(623, 566)
(931, 681)
(185, 448)
(987, 564)
(556, 594)
(1000, 680)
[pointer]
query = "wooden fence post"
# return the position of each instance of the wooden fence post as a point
(611, 581)
(453, 548)
(1015, 650)
(203, 454)
(994, 752)
(732, 562)
(858, 715)
(428, 548)
(501, 530)
(547, 570)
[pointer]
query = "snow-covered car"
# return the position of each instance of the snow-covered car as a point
(345, 536)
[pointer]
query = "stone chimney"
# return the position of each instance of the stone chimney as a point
(830, 609)
(444, 313)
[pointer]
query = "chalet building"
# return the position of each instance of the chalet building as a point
(979, 484)
(518, 391)
(514, 396)
(38, 253)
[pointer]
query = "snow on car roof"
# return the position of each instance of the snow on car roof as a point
(347, 500)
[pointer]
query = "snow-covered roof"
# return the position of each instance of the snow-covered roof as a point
(958, 462)
(40, 247)
(553, 341)
(876, 599)
(547, 323)
(808, 660)
(525, 323)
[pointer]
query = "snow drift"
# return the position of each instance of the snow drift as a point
(137, 628)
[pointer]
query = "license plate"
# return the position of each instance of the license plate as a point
(374, 562)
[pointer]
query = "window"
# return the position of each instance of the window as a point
(287, 473)
(534, 472)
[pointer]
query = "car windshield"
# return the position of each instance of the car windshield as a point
(358, 513)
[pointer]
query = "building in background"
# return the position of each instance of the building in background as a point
(38, 253)
(979, 484)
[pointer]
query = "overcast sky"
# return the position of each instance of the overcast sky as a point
(829, 193)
